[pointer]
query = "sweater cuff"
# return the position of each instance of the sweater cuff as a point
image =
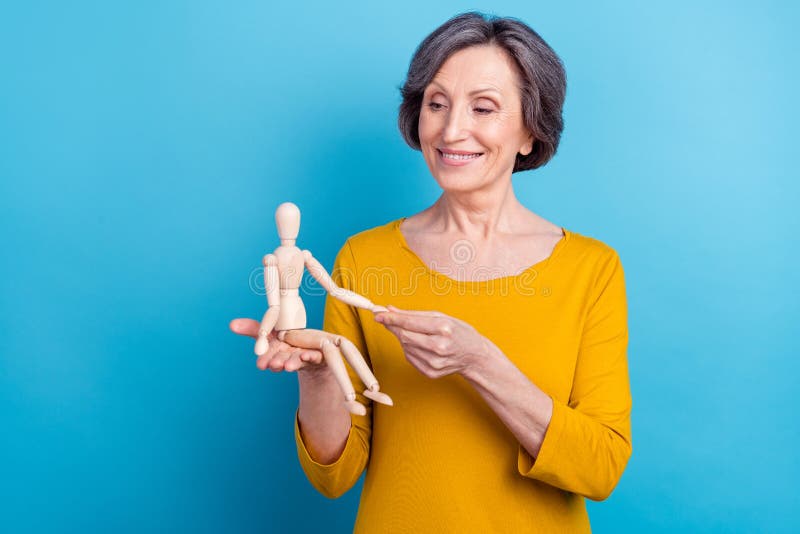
(545, 463)
(305, 457)
(334, 479)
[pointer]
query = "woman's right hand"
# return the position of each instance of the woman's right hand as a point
(280, 356)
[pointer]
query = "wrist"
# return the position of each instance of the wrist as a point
(314, 373)
(479, 363)
(316, 385)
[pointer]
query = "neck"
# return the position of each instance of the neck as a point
(479, 214)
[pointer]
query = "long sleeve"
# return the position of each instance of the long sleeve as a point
(334, 479)
(437, 460)
(588, 442)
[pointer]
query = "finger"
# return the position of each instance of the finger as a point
(245, 327)
(303, 358)
(294, 362)
(426, 342)
(429, 313)
(278, 363)
(432, 367)
(416, 323)
(419, 363)
(415, 341)
(273, 348)
(263, 361)
(395, 331)
(312, 356)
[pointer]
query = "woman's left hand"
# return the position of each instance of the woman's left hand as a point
(434, 343)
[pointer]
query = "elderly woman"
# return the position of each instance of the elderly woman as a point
(512, 400)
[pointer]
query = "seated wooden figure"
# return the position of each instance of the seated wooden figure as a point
(286, 314)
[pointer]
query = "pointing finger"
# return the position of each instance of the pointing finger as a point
(415, 323)
(427, 313)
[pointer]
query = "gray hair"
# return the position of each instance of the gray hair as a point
(543, 88)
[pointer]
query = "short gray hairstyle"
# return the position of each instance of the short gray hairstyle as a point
(542, 91)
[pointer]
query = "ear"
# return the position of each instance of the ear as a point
(527, 146)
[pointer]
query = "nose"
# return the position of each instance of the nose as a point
(455, 129)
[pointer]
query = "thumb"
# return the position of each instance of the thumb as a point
(245, 327)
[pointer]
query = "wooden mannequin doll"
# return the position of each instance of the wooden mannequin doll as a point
(283, 273)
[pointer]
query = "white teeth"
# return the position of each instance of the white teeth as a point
(459, 156)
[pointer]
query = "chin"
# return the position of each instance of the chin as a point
(454, 184)
(461, 180)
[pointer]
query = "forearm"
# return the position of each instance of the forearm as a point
(524, 408)
(323, 418)
(596, 437)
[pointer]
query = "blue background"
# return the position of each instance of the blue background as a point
(145, 145)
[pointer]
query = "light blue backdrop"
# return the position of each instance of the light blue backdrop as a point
(145, 145)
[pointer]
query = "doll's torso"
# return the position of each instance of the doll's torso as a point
(290, 275)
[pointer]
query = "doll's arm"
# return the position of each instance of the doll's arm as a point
(272, 287)
(319, 273)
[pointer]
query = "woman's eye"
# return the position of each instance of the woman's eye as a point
(483, 111)
(435, 106)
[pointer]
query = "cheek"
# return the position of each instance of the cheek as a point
(428, 126)
(503, 138)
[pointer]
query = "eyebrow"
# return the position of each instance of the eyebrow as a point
(473, 92)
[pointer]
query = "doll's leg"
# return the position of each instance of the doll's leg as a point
(317, 339)
(356, 361)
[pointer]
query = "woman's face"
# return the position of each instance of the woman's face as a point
(470, 124)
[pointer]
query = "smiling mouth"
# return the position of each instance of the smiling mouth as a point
(459, 157)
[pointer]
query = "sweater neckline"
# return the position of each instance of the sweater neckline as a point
(537, 268)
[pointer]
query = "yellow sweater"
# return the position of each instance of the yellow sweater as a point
(440, 460)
